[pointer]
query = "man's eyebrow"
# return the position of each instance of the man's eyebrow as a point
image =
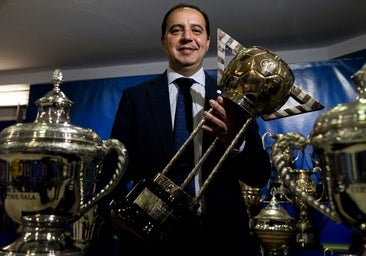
(182, 26)
(197, 25)
(176, 25)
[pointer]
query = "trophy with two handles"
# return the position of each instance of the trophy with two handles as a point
(339, 143)
(51, 169)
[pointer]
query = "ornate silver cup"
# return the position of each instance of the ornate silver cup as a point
(52, 169)
(274, 227)
(305, 236)
(290, 155)
(339, 140)
(252, 199)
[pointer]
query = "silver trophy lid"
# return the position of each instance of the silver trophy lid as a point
(54, 107)
(345, 123)
(51, 132)
(273, 211)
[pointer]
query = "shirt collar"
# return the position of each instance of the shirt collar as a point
(199, 76)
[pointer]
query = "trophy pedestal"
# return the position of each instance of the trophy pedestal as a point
(154, 210)
(42, 235)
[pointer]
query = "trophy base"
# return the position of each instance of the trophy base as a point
(42, 235)
(64, 252)
(307, 241)
(155, 210)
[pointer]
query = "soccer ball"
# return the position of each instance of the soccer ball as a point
(258, 81)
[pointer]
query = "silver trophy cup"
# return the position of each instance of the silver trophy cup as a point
(51, 174)
(339, 141)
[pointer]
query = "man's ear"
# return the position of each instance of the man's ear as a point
(162, 43)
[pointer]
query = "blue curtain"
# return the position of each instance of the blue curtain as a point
(95, 101)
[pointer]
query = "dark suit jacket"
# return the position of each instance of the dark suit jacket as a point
(143, 124)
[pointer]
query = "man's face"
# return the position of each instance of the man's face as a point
(185, 41)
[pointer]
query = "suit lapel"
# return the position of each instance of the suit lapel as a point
(211, 93)
(158, 97)
(211, 90)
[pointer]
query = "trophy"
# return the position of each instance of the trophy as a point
(252, 199)
(257, 82)
(305, 236)
(338, 139)
(290, 155)
(51, 174)
(274, 227)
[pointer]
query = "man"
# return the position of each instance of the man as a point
(144, 122)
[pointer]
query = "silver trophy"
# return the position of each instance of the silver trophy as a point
(275, 228)
(305, 237)
(252, 199)
(339, 141)
(51, 174)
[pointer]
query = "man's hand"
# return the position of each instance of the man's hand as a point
(225, 120)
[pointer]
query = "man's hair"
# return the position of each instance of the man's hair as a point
(183, 5)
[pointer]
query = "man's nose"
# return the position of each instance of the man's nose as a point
(187, 35)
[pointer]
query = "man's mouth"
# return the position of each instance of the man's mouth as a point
(186, 50)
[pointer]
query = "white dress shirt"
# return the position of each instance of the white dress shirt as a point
(198, 101)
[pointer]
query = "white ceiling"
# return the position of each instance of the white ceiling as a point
(40, 35)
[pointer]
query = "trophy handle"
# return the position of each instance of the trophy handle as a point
(299, 142)
(109, 146)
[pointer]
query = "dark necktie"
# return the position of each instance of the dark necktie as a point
(183, 127)
(183, 123)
